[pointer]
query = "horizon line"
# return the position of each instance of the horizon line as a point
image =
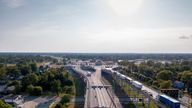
(96, 52)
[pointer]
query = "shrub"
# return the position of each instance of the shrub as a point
(37, 90)
(65, 99)
(59, 105)
(34, 90)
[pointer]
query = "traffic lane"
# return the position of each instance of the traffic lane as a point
(90, 95)
(93, 81)
(102, 93)
(154, 93)
(93, 95)
(93, 99)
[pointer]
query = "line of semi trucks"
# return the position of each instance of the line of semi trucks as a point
(164, 99)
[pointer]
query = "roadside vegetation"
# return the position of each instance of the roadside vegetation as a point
(35, 83)
(160, 75)
(4, 105)
(25, 76)
(122, 89)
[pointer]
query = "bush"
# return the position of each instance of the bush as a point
(165, 75)
(156, 84)
(59, 105)
(37, 90)
(65, 99)
(150, 82)
(34, 90)
(165, 84)
(4, 105)
(68, 90)
(30, 89)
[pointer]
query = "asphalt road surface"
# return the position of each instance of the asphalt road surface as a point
(97, 97)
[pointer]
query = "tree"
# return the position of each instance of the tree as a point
(66, 75)
(59, 105)
(164, 75)
(30, 89)
(34, 90)
(189, 86)
(65, 99)
(68, 89)
(4, 105)
(25, 69)
(186, 75)
(156, 84)
(13, 71)
(179, 75)
(37, 90)
(33, 67)
(165, 84)
(68, 83)
(2, 72)
(18, 86)
(29, 79)
(56, 86)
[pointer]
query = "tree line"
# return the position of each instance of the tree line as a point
(33, 82)
(159, 75)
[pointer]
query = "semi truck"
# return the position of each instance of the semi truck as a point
(168, 101)
(137, 85)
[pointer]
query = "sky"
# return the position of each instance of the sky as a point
(96, 26)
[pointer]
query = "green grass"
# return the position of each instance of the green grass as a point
(131, 93)
(128, 90)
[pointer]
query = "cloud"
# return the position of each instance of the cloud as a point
(185, 37)
(125, 7)
(14, 3)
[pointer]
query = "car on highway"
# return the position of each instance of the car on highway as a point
(88, 74)
(150, 94)
(137, 85)
(145, 91)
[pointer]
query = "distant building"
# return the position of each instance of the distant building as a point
(3, 88)
(98, 63)
(109, 63)
(15, 101)
(10, 89)
(179, 85)
(165, 62)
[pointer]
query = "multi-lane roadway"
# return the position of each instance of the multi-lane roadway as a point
(97, 95)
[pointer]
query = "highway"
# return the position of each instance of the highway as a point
(100, 97)
(96, 94)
